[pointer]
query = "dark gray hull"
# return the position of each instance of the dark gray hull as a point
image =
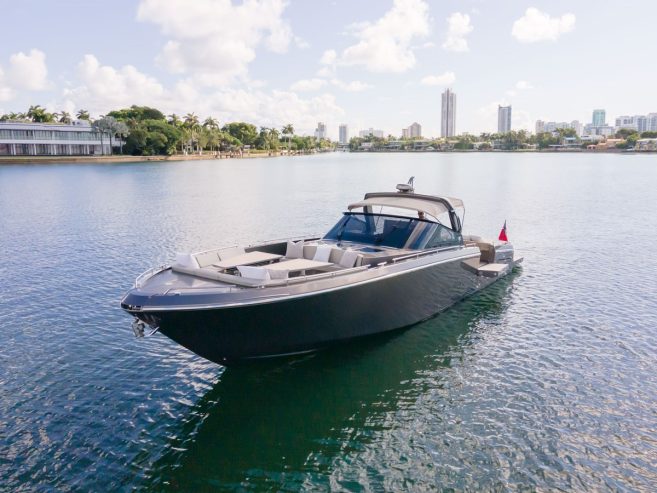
(309, 321)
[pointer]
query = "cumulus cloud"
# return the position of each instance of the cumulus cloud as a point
(353, 86)
(385, 45)
(439, 80)
(214, 40)
(104, 88)
(458, 27)
(308, 85)
(26, 72)
(101, 88)
(537, 26)
(523, 85)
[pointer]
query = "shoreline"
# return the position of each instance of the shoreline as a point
(118, 158)
(6, 160)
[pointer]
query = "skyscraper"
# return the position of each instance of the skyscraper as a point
(448, 114)
(320, 131)
(599, 118)
(343, 137)
(503, 119)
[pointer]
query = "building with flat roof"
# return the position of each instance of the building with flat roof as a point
(320, 131)
(52, 139)
(599, 118)
(503, 119)
(343, 134)
(414, 131)
(448, 114)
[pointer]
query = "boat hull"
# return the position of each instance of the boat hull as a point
(308, 322)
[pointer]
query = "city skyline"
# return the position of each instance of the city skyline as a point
(383, 63)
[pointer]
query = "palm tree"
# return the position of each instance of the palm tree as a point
(83, 115)
(289, 131)
(211, 123)
(38, 114)
(65, 117)
(191, 120)
(174, 120)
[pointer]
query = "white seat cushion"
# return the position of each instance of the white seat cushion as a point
(186, 260)
(348, 259)
(258, 273)
(227, 253)
(322, 253)
(207, 258)
(294, 249)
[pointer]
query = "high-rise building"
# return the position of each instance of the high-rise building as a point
(651, 122)
(641, 123)
(320, 131)
(412, 132)
(540, 127)
(503, 119)
(599, 118)
(343, 136)
(448, 114)
(577, 127)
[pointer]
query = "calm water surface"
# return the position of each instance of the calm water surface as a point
(545, 381)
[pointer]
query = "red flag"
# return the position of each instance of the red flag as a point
(503, 233)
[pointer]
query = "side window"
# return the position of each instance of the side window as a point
(444, 237)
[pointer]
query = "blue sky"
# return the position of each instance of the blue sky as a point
(380, 64)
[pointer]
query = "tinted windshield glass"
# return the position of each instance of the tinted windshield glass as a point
(392, 231)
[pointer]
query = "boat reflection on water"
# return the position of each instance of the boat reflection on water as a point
(280, 423)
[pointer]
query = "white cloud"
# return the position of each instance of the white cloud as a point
(215, 40)
(385, 45)
(353, 86)
(6, 92)
(104, 88)
(439, 80)
(523, 85)
(537, 26)
(308, 85)
(458, 27)
(25, 72)
(329, 57)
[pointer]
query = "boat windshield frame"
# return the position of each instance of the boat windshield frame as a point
(392, 231)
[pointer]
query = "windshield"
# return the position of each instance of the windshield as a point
(392, 231)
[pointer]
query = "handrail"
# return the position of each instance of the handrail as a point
(423, 253)
(144, 276)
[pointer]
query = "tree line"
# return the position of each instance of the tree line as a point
(144, 131)
(513, 140)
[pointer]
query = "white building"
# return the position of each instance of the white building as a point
(52, 139)
(651, 122)
(448, 114)
(577, 127)
(343, 134)
(626, 122)
(320, 131)
(414, 131)
(371, 131)
(503, 119)
(540, 127)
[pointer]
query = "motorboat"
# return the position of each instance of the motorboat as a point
(392, 260)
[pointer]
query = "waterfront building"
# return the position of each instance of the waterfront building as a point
(53, 139)
(577, 127)
(540, 127)
(371, 131)
(343, 134)
(626, 122)
(503, 119)
(448, 114)
(651, 122)
(320, 131)
(414, 131)
(641, 123)
(599, 118)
